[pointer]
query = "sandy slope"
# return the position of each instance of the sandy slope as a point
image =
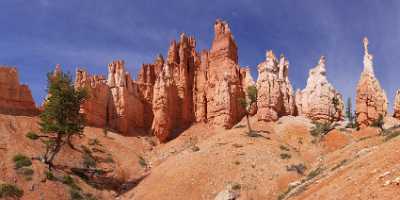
(203, 161)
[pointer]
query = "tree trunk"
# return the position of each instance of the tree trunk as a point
(248, 123)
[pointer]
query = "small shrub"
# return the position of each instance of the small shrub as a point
(299, 168)
(21, 161)
(284, 148)
(32, 135)
(10, 191)
(314, 173)
(75, 194)
(320, 129)
(88, 161)
(391, 135)
(109, 159)
(49, 176)
(68, 180)
(94, 142)
(339, 165)
(27, 172)
(195, 148)
(285, 156)
(378, 122)
(142, 162)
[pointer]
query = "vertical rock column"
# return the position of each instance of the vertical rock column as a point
(371, 100)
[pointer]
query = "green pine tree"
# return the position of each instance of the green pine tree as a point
(248, 102)
(61, 118)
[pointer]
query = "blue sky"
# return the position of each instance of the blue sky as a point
(37, 34)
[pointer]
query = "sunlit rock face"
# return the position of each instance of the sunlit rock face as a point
(224, 84)
(126, 110)
(275, 93)
(15, 98)
(319, 101)
(371, 100)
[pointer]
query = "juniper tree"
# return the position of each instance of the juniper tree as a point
(248, 102)
(61, 119)
(349, 114)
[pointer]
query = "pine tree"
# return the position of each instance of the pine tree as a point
(61, 118)
(248, 102)
(349, 114)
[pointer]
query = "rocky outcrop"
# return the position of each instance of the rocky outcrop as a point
(223, 79)
(96, 107)
(396, 109)
(126, 110)
(371, 100)
(165, 105)
(319, 101)
(275, 93)
(15, 99)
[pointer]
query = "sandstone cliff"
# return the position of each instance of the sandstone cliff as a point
(371, 100)
(319, 100)
(275, 93)
(15, 99)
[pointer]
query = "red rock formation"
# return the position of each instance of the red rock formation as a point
(275, 93)
(165, 105)
(15, 99)
(145, 80)
(319, 100)
(371, 100)
(396, 109)
(126, 110)
(96, 106)
(199, 89)
(223, 79)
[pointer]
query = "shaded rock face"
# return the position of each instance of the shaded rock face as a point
(97, 106)
(371, 100)
(319, 101)
(165, 105)
(396, 109)
(15, 99)
(224, 81)
(275, 93)
(145, 80)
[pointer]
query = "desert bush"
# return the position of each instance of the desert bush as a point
(68, 180)
(284, 148)
(26, 172)
(321, 129)
(21, 160)
(299, 168)
(88, 161)
(32, 135)
(285, 156)
(314, 173)
(50, 176)
(10, 191)
(94, 142)
(378, 122)
(391, 135)
(142, 162)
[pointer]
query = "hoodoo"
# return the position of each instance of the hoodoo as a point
(371, 100)
(275, 93)
(319, 100)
